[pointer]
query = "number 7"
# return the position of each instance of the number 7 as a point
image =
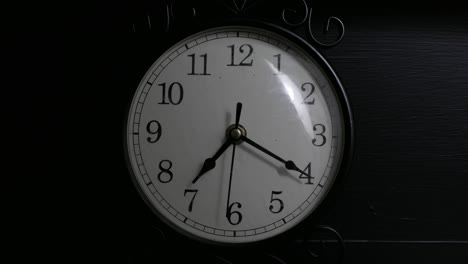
(193, 197)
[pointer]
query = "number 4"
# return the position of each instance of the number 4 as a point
(308, 177)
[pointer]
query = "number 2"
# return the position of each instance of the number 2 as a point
(312, 89)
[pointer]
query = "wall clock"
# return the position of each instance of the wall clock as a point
(237, 133)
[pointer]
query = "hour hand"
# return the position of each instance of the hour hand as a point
(210, 163)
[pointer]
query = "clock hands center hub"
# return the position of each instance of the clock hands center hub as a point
(236, 134)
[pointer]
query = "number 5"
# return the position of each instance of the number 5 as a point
(281, 204)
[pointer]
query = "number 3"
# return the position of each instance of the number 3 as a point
(323, 140)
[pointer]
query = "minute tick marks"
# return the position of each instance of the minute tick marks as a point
(215, 136)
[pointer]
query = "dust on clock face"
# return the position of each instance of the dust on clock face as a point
(234, 135)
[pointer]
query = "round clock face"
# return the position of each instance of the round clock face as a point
(235, 135)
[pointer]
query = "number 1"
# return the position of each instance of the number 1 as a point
(278, 65)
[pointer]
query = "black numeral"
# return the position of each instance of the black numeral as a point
(241, 50)
(230, 213)
(305, 87)
(278, 64)
(193, 198)
(308, 177)
(150, 129)
(278, 201)
(320, 135)
(204, 56)
(172, 99)
(165, 175)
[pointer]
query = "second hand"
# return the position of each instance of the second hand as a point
(228, 209)
(230, 178)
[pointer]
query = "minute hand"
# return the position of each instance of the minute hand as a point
(289, 164)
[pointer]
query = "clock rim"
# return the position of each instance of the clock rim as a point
(348, 125)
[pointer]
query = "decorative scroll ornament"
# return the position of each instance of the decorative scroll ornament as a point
(321, 235)
(158, 231)
(171, 14)
(170, 11)
(237, 6)
(307, 15)
(293, 17)
(333, 235)
(274, 258)
(222, 260)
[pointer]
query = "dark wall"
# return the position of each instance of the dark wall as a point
(404, 67)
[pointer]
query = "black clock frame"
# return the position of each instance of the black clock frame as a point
(309, 222)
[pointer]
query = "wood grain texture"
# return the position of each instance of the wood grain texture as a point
(408, 90)
(404, 200)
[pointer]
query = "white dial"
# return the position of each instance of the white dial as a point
(184, 110)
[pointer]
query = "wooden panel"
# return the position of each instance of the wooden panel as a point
(404, 200)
